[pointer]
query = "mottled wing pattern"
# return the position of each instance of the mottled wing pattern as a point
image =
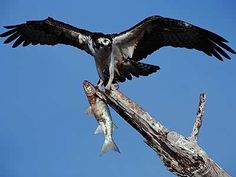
(47, 32)
(155, 32)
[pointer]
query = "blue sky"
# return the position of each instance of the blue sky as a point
(43, 129)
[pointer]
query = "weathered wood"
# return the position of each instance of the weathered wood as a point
(199, 117)
(180, 155)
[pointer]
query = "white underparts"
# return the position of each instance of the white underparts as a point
(111, 72)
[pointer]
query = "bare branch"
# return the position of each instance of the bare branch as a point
(181, 156)
(199, 117)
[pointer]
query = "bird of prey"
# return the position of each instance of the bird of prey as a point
(117, 56)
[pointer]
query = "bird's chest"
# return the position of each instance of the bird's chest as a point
(102, 60)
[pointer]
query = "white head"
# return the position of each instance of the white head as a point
(104, 41)
(102, 46)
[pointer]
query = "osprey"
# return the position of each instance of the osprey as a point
(117, 56)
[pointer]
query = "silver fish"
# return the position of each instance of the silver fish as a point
(103, 116)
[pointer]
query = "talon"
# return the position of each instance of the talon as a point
(100, 83)
(112, 87)
(108, 87)
(115, 86)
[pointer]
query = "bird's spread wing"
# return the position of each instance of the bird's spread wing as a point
(155, 32)
(49, 32)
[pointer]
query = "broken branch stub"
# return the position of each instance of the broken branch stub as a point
(199, 117)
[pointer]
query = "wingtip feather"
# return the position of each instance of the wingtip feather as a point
(8, 33)
(11, 26)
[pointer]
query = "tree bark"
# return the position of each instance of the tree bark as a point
(181, 155)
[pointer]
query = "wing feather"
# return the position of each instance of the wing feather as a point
(26, 43)
(155, 32)
(48, 32)
(18, 42)
(11, 38)
(7, 33)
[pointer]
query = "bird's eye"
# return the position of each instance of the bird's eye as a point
(106, 42)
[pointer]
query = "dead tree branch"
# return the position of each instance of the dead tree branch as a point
(180, 155)
(199, 118)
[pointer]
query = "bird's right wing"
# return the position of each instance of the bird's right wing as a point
(48, 32)
(156, 32)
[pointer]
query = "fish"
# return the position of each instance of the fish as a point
(101, 112)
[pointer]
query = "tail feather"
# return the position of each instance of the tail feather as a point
(142, 69)
(130, 68)
(109, 145)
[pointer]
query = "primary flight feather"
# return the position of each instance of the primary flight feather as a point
(117, 56)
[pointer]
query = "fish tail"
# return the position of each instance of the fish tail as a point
(109, 145)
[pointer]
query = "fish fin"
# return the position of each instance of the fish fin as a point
(88, 111)
(114, 126)
(98, 130)
(109, 145)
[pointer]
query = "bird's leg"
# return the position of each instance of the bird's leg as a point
(99, 84)
(111, 74)
(114, 86)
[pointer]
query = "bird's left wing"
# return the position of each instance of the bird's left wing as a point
(48, 32)
(155, 32)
